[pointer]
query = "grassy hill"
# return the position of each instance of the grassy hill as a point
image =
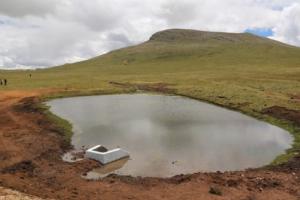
(206, 64)
(242, 67)
(240, 71)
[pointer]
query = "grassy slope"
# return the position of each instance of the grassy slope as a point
(250, 72)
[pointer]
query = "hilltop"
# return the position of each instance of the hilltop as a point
(238, 48)
(185, 35)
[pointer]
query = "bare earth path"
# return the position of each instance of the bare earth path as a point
(30, 162)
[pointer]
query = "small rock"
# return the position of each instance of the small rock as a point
(250, 198)
(232, 183)
(215, 191)
(111, 181)
(174, 162)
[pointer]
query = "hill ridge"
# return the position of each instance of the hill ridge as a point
(190, 35)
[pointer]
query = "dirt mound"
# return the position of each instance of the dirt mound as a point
(149, 87)
(28, 104)
(283, 113)
(293, 166)
(24, 166)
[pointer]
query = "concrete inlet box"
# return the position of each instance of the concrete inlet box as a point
(104, 156)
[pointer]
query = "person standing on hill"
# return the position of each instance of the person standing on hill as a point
(5, 82)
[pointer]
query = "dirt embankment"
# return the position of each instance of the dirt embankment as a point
(30, 162)
(154, 87)
(283, 113)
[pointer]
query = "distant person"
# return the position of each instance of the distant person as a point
(5, 81)
(1, 83)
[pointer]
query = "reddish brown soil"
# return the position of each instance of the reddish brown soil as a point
(295, 97)
(30, 161)
(283, 113)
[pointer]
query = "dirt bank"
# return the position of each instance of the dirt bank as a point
(30, 162)
(283, 113)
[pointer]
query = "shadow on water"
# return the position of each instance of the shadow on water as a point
(105, 170)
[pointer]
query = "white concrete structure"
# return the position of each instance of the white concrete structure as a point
(101, 154)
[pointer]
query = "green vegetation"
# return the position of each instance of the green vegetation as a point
(64, 127)
(239, 71)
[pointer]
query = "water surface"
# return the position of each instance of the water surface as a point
(169, 135)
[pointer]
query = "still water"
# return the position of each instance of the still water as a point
(169, 135)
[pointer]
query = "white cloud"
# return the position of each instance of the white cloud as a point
(52, 32)
(216, 15)
(20, 8)
(288, 27)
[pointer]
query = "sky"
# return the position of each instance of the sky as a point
(43, 33)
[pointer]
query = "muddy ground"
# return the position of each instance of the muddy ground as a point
(30, 162)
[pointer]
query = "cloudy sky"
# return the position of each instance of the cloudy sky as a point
(41, 33)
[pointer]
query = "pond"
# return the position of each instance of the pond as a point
(170, 135)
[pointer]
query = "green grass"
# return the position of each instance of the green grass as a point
(239, 71)
(64, 126)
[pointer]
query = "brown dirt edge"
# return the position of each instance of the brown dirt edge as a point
(283, 113)
(154, 87)
(30, 161)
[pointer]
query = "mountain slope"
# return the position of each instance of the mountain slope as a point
(205, 48)
(242, 67)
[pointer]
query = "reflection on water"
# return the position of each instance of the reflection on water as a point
(103, 171)
(169, 135)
